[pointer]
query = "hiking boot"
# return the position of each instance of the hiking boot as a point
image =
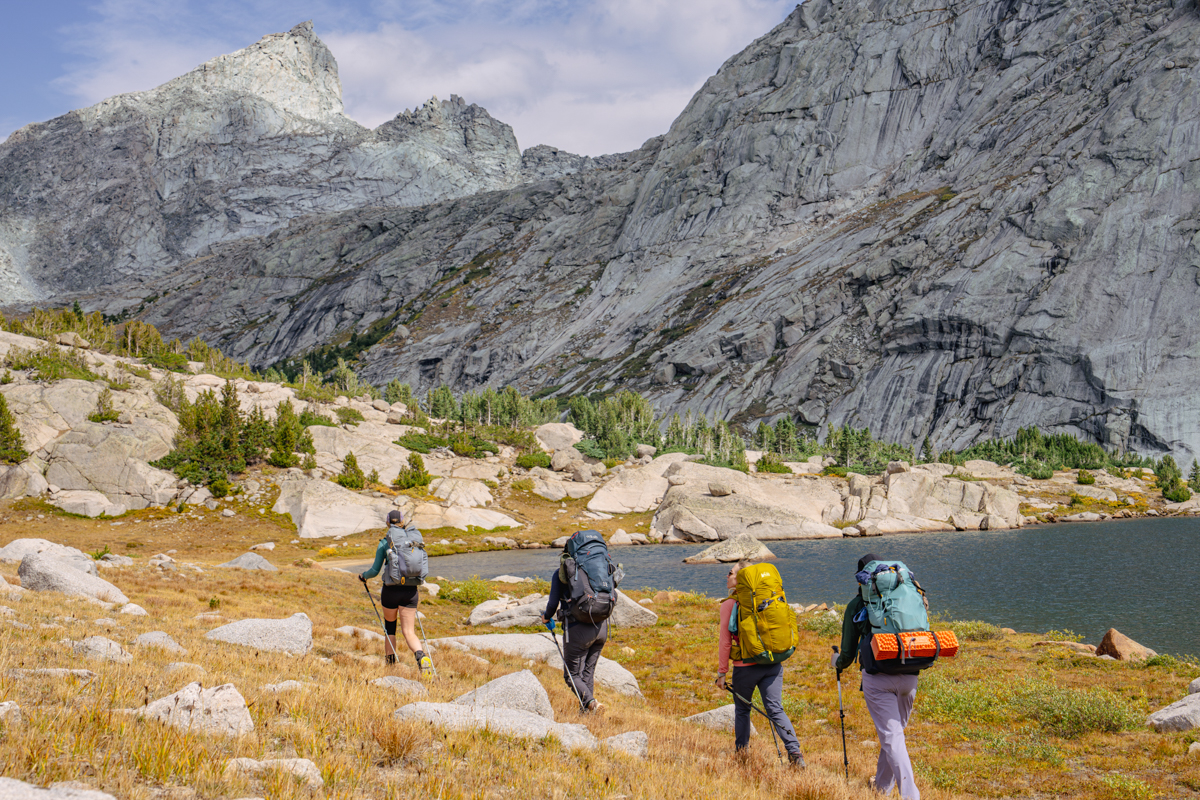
(426, 666)
(796, 760)
(390, 658)
(595, 706)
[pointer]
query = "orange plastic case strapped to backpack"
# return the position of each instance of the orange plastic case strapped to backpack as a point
(914, 644)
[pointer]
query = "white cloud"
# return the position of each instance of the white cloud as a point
(593, 76)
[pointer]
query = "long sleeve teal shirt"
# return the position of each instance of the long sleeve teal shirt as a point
(380, 557)
(852, 633)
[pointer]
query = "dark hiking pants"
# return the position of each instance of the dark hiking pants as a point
(768, 679)
(582, 643)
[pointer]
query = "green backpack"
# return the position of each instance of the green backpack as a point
(762, 619)
(894, 603)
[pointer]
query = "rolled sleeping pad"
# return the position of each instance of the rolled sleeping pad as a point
(914, 644)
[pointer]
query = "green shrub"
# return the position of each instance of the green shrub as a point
(310, 462)
(174, 362)
(373, 477)
(1036, 470)
(1065, 635)
(470, 592)
(823, 624)
(352, 476)
(773, 462)
(1070, 713)
(413, 475)
(421, 442)
(219, 488)
(591, 448)
(523, 485)
(7, 378)
(51, 364)
(348, 416)
(104, 411)
(1085, 478)
(835, 470)
(531, 460)
(1177, 492)
(309, 417)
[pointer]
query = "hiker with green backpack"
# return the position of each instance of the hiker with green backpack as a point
(757, 633)
(889, 601)
(401, 558)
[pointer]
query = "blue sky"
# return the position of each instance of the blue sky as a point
(589, 76)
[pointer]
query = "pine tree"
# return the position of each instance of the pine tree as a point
(104, 408)
(283, 453)
(928, 456)
(352, 476)
(12, 446)
(785, 435)
(1194, 476)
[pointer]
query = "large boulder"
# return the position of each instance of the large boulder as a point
(87, 503)
(766, 509)
(554, 436)
(219, 711)
(321, 508)
(505, 721)
(17, 549)
(519, 690)
(114, 461)
(250, 561)
(292, 635)
(742, 546)
(13, 789)
(636, 490)
(1182, 715)
(629, 614)
(1122, 648)
(41, 572)
(21, 480)
(371, 443)
(1194, 687)
(461, 492)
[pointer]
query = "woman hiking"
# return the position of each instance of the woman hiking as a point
(889, 697)
(406, 570)
(767, 678)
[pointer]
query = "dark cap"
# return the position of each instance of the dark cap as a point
(395, 517)
(867, 559)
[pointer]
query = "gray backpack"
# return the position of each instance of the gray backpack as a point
(406, 562)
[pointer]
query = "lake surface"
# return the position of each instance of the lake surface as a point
(1085, 577)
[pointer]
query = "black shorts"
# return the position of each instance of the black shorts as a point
(398, 596)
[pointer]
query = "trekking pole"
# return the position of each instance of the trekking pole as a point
(842, 714)
(768, 719)
(570, 678)
(387, 643)
(425, 641)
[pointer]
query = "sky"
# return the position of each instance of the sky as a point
(586, 76)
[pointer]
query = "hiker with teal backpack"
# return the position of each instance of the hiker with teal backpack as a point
(402, 559)
(583, 594)
(757, 633)
(891, 601)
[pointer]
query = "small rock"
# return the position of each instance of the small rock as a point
(402, 686)
(160, 639)
(133, 609)
(619, 539)
(284, 686)
(742, 546)
(10, 715)
(41, 572)
(250, 561)
(359, 633)
(301, 768)
(628, 614)
(264, 546)
(635, 743)
(1194, 749)
(13, 789)
(720, 489)
(221, 710)
(227, 512)
(719, 719)
(183, 666)
(98, 647)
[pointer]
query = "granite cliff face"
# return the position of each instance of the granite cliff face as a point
(950, 220)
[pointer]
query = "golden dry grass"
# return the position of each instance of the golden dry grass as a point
(970, 735)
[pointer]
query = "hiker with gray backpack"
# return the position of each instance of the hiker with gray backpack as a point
(583, 594)
(886, 615)
(401, 558)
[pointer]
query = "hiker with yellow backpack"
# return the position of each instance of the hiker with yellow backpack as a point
(757, 633)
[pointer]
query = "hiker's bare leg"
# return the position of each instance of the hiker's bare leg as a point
(408, 628)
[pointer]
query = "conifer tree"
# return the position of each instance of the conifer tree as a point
(12, 446)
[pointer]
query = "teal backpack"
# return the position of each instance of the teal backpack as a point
(894, 603)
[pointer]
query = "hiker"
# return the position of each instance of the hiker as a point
(401, 556)
(584, 612)
(889, 697)
(748, 676)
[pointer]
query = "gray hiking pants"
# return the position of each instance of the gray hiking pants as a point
(768, 679)
(890, 701)
(582, 643)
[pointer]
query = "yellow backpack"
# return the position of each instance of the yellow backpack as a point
(762, 619)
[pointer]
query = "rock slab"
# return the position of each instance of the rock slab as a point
(719, 719)
(517, 690)
(13, 789)
(292, 635)
(741, 546)
(41, 572)
(506, 721)
(101, 649)
(634, 743)
(250, 561)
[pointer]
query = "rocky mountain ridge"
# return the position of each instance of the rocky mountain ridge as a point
(948, 221)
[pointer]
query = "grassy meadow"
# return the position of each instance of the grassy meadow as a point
(1004, 719)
